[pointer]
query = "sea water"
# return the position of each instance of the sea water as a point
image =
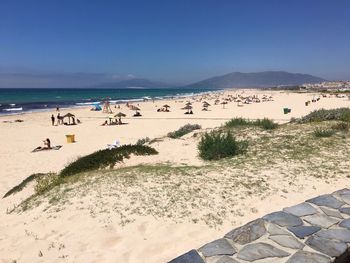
(15, 100)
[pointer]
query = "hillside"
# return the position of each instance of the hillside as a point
(258, 79)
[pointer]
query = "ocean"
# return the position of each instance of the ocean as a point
(15, 101)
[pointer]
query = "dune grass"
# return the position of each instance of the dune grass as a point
(323, 133)
(265, 123)
(184, 130)
(216, 145)
(340, 114)
(105, 158)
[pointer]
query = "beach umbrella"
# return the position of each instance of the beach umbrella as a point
(188, 103)
(223, 104)
(187, 107)
(135, 108)
(206, 104)
(69, 116)
(120, 114)
(166, 106)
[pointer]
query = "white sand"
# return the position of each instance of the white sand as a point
(85, 239)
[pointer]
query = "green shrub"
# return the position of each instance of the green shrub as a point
(143, 141)
(341, 126)
(184, 130)
(46, 182)
(323, 132)
(216, 145)
(342, 114)
(105, 158)
(265, 123)
(238, 122)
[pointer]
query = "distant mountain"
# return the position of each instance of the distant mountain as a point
(258, 79)
(74, 80)
(133, 83)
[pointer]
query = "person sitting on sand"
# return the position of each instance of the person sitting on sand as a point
(47, 143)
(47, 146)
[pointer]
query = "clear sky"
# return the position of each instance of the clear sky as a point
(176, 41)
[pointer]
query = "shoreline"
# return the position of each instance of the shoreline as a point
(78, 104)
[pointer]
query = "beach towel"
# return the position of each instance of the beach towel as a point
(115, 144)
(39, 149)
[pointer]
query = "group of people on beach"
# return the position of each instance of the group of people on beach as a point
(60, 120)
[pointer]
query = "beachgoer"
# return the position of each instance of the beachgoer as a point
(47, 143)
(58, 119)
(53, 120)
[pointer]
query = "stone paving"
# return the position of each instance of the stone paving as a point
(316, 231)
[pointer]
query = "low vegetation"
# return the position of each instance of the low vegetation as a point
(322, 133)
(143, 141)
(105, 158)
(340, 114)
(216, 145)
(184, 130)
(265, 123)
(341, 126)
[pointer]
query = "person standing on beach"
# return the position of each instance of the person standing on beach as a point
(53, 120)
(58, 119)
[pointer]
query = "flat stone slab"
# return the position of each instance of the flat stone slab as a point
(275, 230)
(345, 198)
(344, 191)
(331, 212)
(345, 223)
(308, 257)
(326, 200)
(342, 235)
(255, 251)
(321, 220)
(345, 210)
(331, 248)
(248, 233)
(191, 256)
(283, 219)
(218, 247)
(303, 231)
(302, 209)
(287, 241)
(224, 259)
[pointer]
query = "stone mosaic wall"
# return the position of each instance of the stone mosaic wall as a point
(316, 231)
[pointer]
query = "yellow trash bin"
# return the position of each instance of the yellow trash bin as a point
(70, 138)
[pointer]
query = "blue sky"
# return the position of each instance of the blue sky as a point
(175, 41)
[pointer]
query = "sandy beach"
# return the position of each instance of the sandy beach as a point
(83, 229)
